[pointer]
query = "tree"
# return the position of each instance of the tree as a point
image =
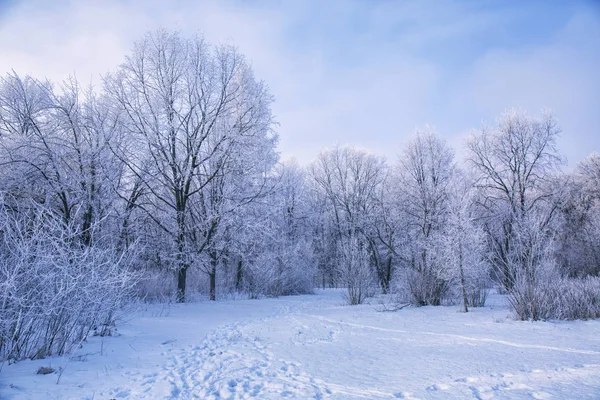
(578, 250)
(355, 269)
(219, 211)
(348, 181)
(463, 253)
(386, 231)
(57, 148)
(515, 163)
(187, 108)
(284, 260)
(424, 173)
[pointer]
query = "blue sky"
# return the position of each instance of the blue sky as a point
(364, 73)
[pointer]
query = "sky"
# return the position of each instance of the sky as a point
(365, 73)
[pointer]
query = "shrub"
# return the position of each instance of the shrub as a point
(561, 298)
(356, 272)
(423, 288)
(53, 290)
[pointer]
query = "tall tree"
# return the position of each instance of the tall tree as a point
(515, 163)
(185, 105)
(463, 251)
(56, 145)
(424, 172)
(579, 244)
(348, 181)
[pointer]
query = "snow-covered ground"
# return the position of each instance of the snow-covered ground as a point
(315, 347)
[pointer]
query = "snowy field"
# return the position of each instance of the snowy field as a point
(315, 347)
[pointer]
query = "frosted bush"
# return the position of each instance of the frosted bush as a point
(53, 290)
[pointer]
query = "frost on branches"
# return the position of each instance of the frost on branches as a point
(164, 184)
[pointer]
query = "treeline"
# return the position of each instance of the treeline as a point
(165, 183)
(434, 231)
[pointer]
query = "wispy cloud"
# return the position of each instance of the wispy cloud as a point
(359, 72)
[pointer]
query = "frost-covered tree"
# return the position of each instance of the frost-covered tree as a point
(191, 112)
(463, 251)
(285, 262)
(515, 162)
(578, 248)
(355, 269)
(384, 231)
(424, 174)
(55, 147)
(226, 211)
(348, 182)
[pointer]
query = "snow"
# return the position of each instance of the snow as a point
(315, 347)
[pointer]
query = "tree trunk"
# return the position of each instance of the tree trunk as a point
(278, 279)
(213, 276)
(508, 274)
(213, 285)
(181, 277)
(239, 277)
(181, 263)
(388, 273)
(462, 278)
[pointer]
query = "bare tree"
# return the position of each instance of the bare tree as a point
(578, 250)
(284, 261)
(355, 269)
(185, 105)
(464, 254)
(55, 146)
(387, 231)
(348, 181)
(219, 211)
(515, 163)
(424, 172)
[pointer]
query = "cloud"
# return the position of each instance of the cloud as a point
(357, 72)
(560, 76)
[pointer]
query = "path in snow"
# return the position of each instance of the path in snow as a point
(230, 363)
(314, 347)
